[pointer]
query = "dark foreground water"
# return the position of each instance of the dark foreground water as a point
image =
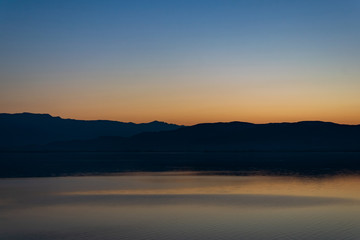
(180, 206)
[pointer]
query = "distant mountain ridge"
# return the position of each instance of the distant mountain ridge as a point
(234, 136)
(30, 128)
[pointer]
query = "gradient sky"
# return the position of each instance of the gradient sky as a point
(182, 61)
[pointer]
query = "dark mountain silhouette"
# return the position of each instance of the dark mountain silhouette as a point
(233, 136)
(28, 128)
(304, 148)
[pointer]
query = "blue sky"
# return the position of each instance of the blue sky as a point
(182, 61)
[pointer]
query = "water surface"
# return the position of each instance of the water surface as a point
(180, 206)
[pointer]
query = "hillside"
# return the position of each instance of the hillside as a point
(234, 136)
(28, 128)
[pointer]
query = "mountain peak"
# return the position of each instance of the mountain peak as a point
(36, 128)
(157, 122)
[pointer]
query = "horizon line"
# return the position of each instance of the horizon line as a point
(186, 125)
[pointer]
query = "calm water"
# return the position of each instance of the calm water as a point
(180, 206)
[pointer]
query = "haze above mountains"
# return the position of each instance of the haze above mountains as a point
(42, 132)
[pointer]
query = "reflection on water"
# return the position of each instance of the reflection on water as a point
(180, 206)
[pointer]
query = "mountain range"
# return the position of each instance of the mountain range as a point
(234, 136)
(35, 129)
(47, 133)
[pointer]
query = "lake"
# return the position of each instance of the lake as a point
(180, 205)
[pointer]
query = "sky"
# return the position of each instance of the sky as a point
(182, 61)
